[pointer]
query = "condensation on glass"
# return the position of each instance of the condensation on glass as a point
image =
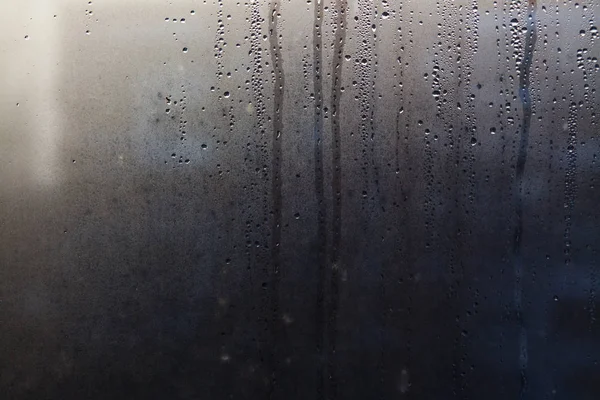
(312, 199)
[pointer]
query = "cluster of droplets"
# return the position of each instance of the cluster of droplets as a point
(219, 49)
(176, 20)
(220, 40)
(89, 14)
(179, 21)
(180, 105)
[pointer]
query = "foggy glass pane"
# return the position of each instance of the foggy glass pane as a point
(299, 199)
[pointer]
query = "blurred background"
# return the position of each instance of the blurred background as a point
(328, 199)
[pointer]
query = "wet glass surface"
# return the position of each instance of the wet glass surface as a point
(316, 199)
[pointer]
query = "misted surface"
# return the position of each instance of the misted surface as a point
(312, 199)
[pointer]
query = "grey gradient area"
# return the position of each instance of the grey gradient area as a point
(324, 199)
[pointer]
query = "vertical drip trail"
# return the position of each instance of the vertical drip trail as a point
(219, 41)
(257, 67)
(442, 75)
(320, 194)
(525, 96)
(570, 181)
(276, 155)
(469, 297)
(265, 351)
(364, 58)
(373, 103)
(589, 103)
(336, 184)
(401, 92)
